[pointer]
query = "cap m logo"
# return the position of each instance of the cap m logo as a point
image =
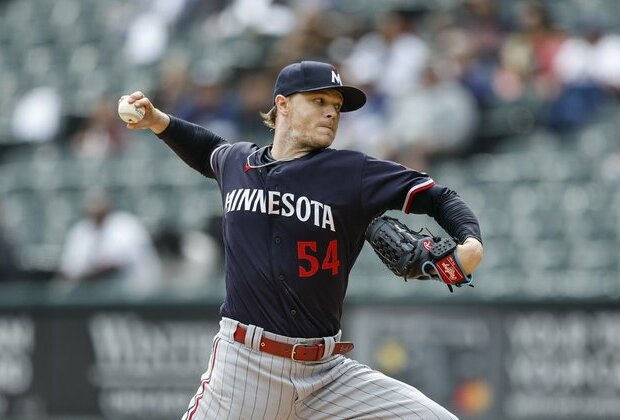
(336, 77)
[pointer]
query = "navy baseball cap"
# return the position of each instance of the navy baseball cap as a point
(308, 76)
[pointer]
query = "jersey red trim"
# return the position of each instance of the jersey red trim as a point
(413, 191)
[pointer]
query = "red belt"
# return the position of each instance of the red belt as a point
(298, 352)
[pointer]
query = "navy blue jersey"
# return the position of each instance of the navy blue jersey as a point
(293, 229)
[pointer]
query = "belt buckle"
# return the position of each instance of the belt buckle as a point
(293, 351)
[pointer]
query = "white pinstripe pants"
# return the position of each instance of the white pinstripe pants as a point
(243, 383)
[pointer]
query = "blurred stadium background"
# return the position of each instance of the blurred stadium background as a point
(512, 103)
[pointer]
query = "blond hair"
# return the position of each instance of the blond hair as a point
(269, 117)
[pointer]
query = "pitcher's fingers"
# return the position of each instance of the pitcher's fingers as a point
(143, 103)
(135, 96)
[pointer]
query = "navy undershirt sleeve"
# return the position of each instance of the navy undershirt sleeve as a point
(192, 143)
(450, 212)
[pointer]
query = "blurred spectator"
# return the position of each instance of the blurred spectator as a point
(479, 31)
(484, 26)
(265, 17)
(147, 39)
(101, 133)
(437, 119)
(193, 258)
(587, 66)
(37, 115)
(581, 54)
(110, 245)
(528, 53)
(168, 241)
(392, 57)
(9, 268)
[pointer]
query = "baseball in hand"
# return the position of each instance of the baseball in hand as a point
(129, 112)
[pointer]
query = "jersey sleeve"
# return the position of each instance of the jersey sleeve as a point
(194, 144)
(450, 211)
(390, 186)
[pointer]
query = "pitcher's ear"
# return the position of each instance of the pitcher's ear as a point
(283, 104)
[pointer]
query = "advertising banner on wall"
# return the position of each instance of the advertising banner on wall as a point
(482, 361)
(491, 362)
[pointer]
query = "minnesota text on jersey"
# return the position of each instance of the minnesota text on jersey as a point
(287, 205)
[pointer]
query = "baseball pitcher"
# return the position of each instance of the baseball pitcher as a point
(296, 214)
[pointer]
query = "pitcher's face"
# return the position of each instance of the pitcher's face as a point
(314, 117)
